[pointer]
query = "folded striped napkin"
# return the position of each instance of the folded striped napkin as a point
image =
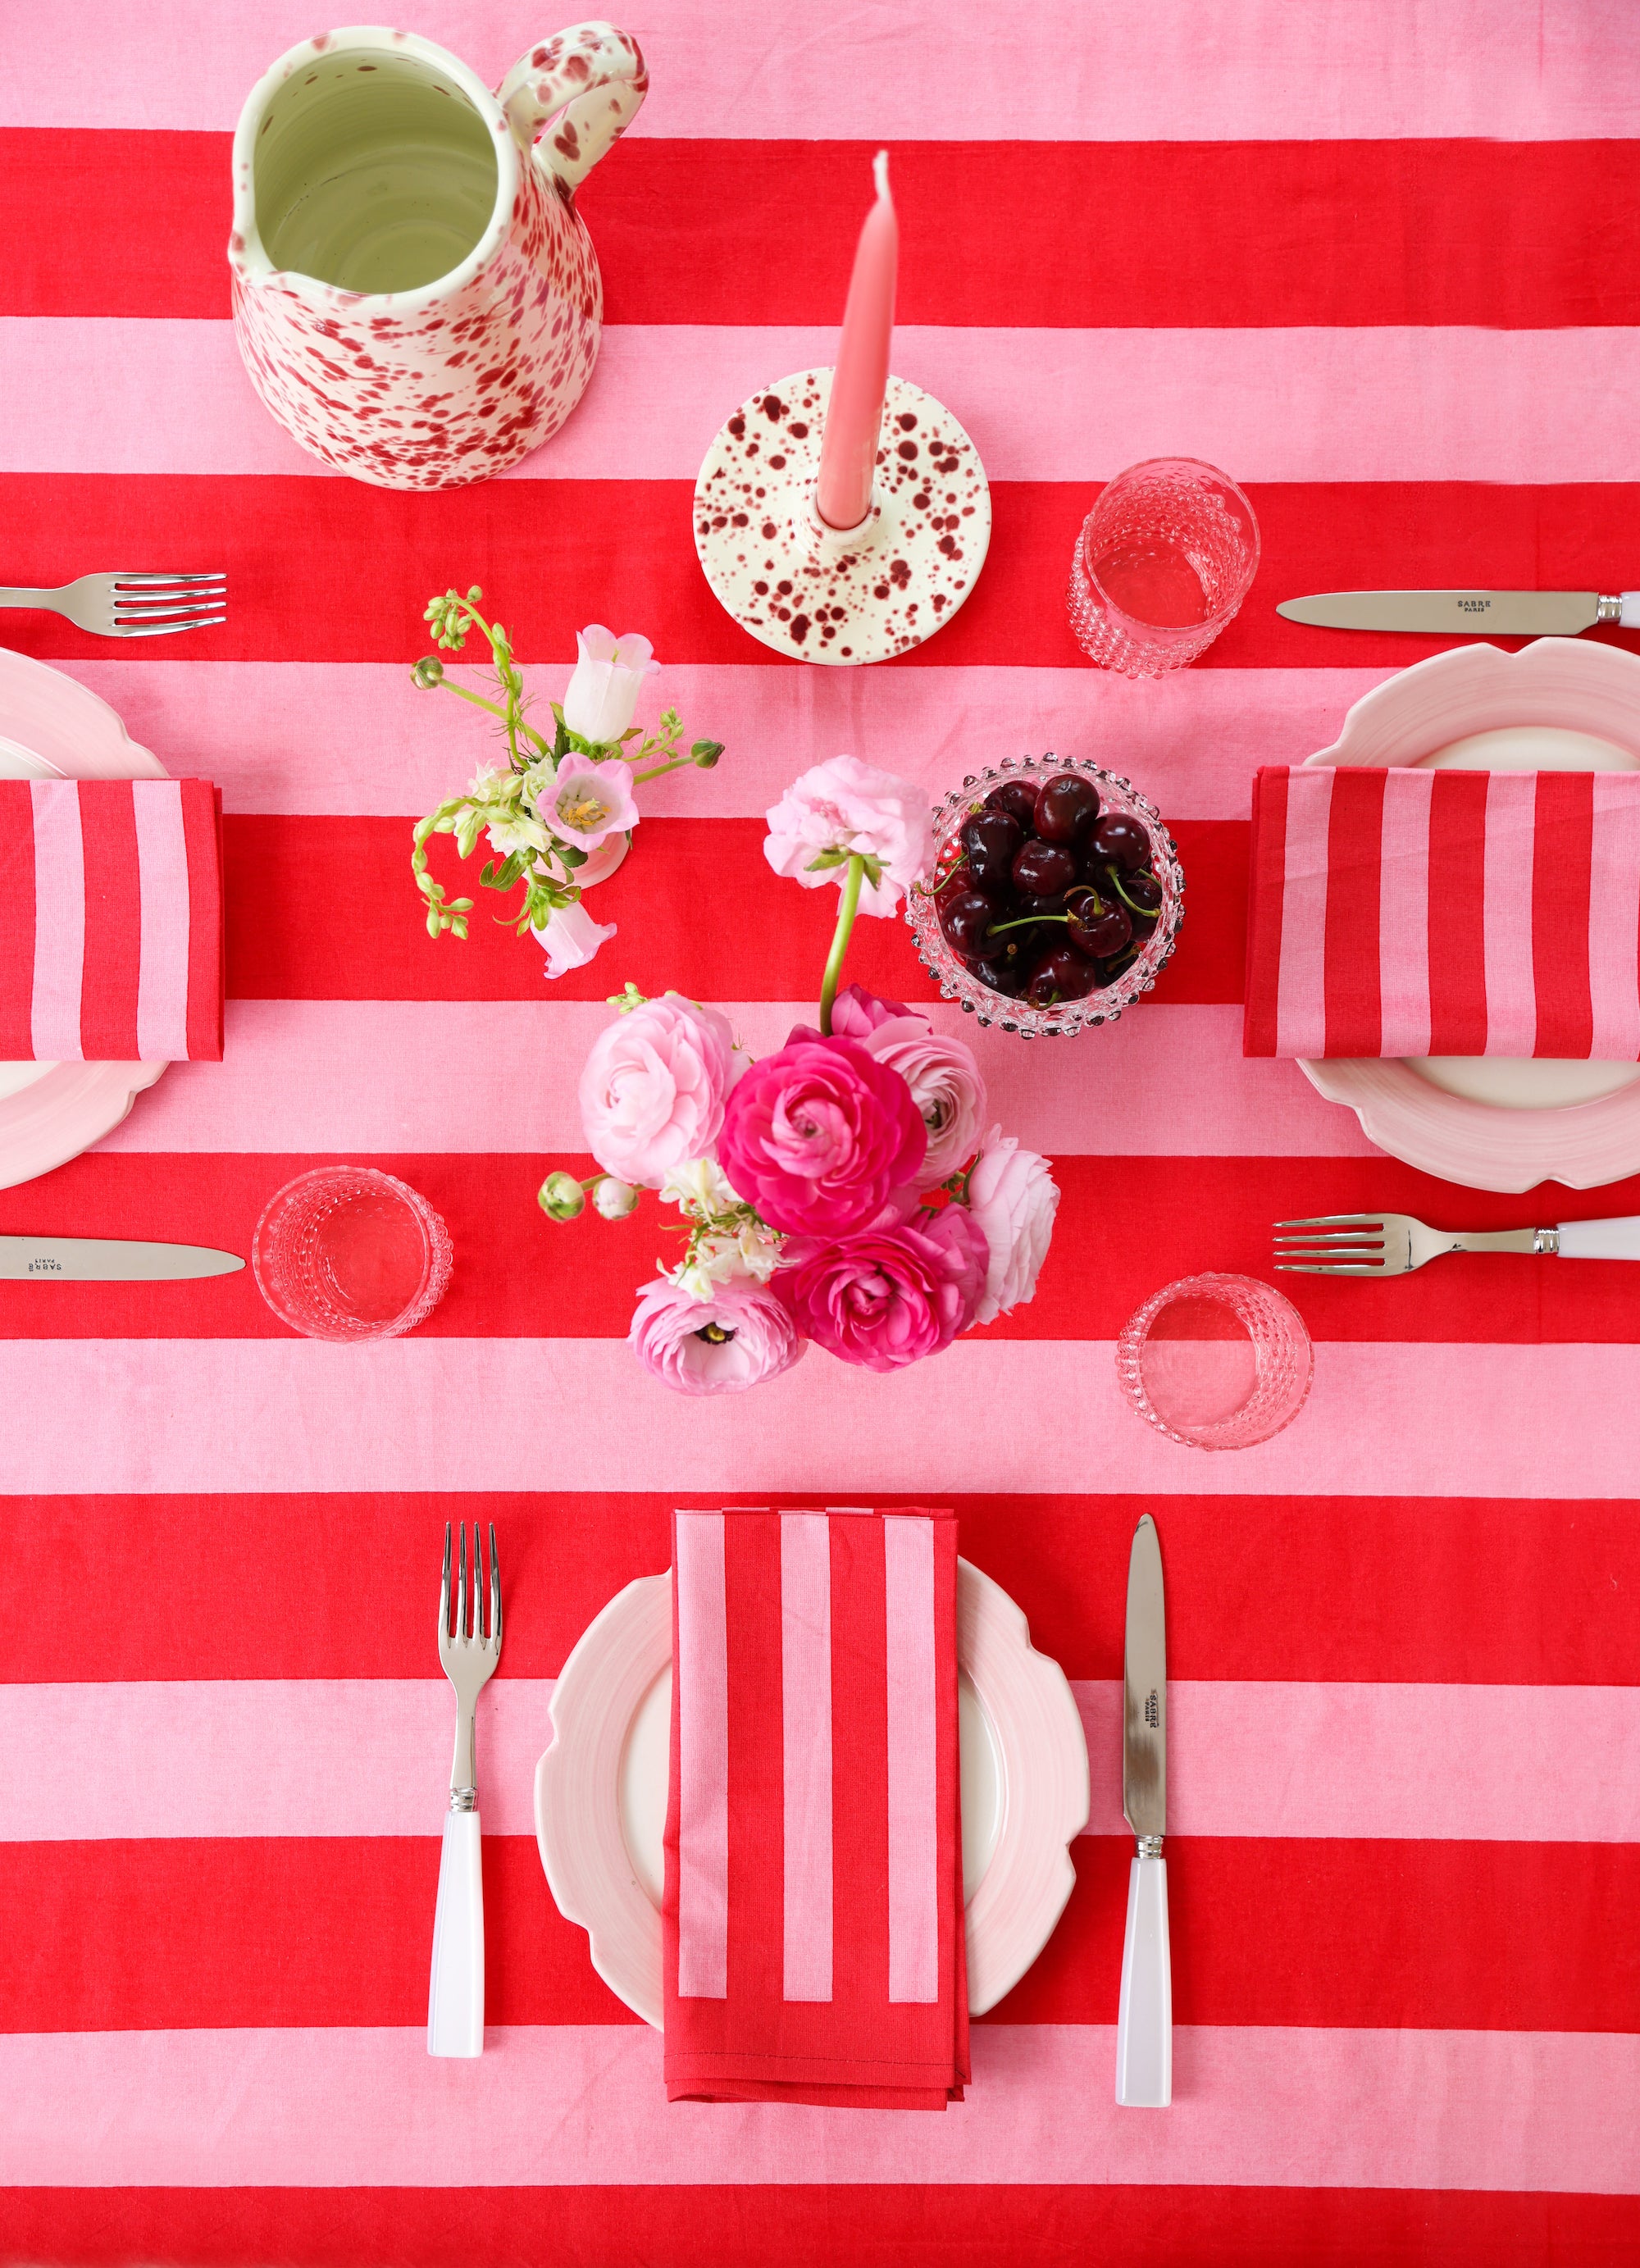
(813, 1919)
(1451, 913)
(111, 943)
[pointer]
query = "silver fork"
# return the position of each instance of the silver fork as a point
(1393, 1244)
(469, 1652)
(126, 604)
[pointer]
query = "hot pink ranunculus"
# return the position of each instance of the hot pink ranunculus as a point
(738, 1338)
(820, 1136)
(653, 1090)
(855, 1014)
(892, 1295)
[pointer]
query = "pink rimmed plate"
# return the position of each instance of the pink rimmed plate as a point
(1498, 1121)
(50, 1112)
(600, 1790)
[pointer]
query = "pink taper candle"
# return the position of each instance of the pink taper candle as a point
(854, 417)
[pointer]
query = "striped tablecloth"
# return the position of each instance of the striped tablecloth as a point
(1380, 259)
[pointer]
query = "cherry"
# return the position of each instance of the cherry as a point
(1044, 870)
(966, 918)
(1096, 925)
(1060, 974)
(1122, 841)
(1066, 806)
(1142, 889)
(1000, 976)
(990, 839)
(1018, 800)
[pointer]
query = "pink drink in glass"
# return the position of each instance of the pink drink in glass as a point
(1162, 563)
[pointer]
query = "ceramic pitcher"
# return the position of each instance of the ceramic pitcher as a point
(415, 295)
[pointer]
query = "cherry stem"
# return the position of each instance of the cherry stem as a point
(1028, 921)
(846, 913)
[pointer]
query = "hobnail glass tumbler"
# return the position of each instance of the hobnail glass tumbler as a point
(1163, 562)
(1217, 1362)
(345, 1252)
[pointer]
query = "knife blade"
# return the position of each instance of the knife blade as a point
(108, 1260)
(1465, 614)
(1145, 2020)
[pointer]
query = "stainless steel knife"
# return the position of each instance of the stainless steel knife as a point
(108, 1260)
(1144, 2022)
(1466, 614)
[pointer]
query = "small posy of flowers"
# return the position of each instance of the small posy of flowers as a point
(553, 802)
(849, 1190)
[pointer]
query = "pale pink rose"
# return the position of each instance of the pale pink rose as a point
(586, 801)
(844, 805)
(891, 1296)
(653, 1091)
(1013, 1198)
(603, 691)
(737, 1338)
(571, 938)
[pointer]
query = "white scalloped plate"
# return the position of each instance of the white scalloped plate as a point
(600, 1790)
(1498, 1122)
(50, 1112)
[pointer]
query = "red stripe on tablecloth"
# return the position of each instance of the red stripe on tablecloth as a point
(1457, 905)
(747, 232)
(716, 2226)
(1355, 827)
(1561, 941)
(622, 551)
(113, 922)
(1131, 1222)
(1358, 1589)
(753, 1761)
(183, 1934)
(17, 921)
(207, 970)
(860, 1855)
(695, 901)
(1266, 903)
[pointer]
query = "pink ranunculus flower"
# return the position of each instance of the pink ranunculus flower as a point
(738, 1338)
(1013, 1198)
(844, 805)
(855, 1014)
(653, 1090)
(570, 938)
(603, 690)
(946, 1083)
(891, 1296)
(584, 801)
(819, 1137)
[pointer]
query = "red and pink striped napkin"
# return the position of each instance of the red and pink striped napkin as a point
(111, 939)
(813, 1916)
(1408, 912)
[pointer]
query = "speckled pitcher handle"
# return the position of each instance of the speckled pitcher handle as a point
(587, 84)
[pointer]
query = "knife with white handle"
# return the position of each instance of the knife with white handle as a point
(1471, 613)
(1145, 2020)
(108, 1260)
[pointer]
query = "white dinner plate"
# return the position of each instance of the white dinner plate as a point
(1498, 1122)
(600, 1790)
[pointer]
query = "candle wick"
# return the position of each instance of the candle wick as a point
(879, 172)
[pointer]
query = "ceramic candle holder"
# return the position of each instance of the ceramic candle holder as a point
(819, 593)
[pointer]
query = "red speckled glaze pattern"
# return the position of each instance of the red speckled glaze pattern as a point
(803, 588)
(447, 385)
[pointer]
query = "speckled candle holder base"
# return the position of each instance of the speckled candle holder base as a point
(811, 591)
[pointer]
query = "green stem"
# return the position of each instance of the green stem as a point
(477, 699)
(659, 771)
(846, 913)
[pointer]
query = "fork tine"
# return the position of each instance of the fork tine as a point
(444, 1592)
(164, 629)
(1329, 1236)
(461, 1629)
(1365, 1254)
(122, 579)
(478, 1584)
(495, 1591)
(167, 602)
(1334, 1220)
(1329, 1268)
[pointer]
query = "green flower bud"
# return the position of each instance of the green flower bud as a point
(428, 672)
(474, 595)
(706, 753)
(615, 1199)
(561, 1197)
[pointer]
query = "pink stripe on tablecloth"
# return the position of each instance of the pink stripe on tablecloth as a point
(1403, 919)
(1385, 401)
(90, 1415)
(1511, 1001)
(163, 882)
(329, 1075)
(59, 920)
(1614, 918)
(703, 1689)
(1193, 739)
(1301, 990)
(805, 1735)
(1357, 68)
(560, 2104)
(1354, 1761)
(913, 1766)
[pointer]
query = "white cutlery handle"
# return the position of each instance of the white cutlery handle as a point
(1144, 2020)
(455, 1998)
(1601, 1240)
(1628, 619)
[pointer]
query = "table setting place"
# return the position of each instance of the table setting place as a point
(438, 1083)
